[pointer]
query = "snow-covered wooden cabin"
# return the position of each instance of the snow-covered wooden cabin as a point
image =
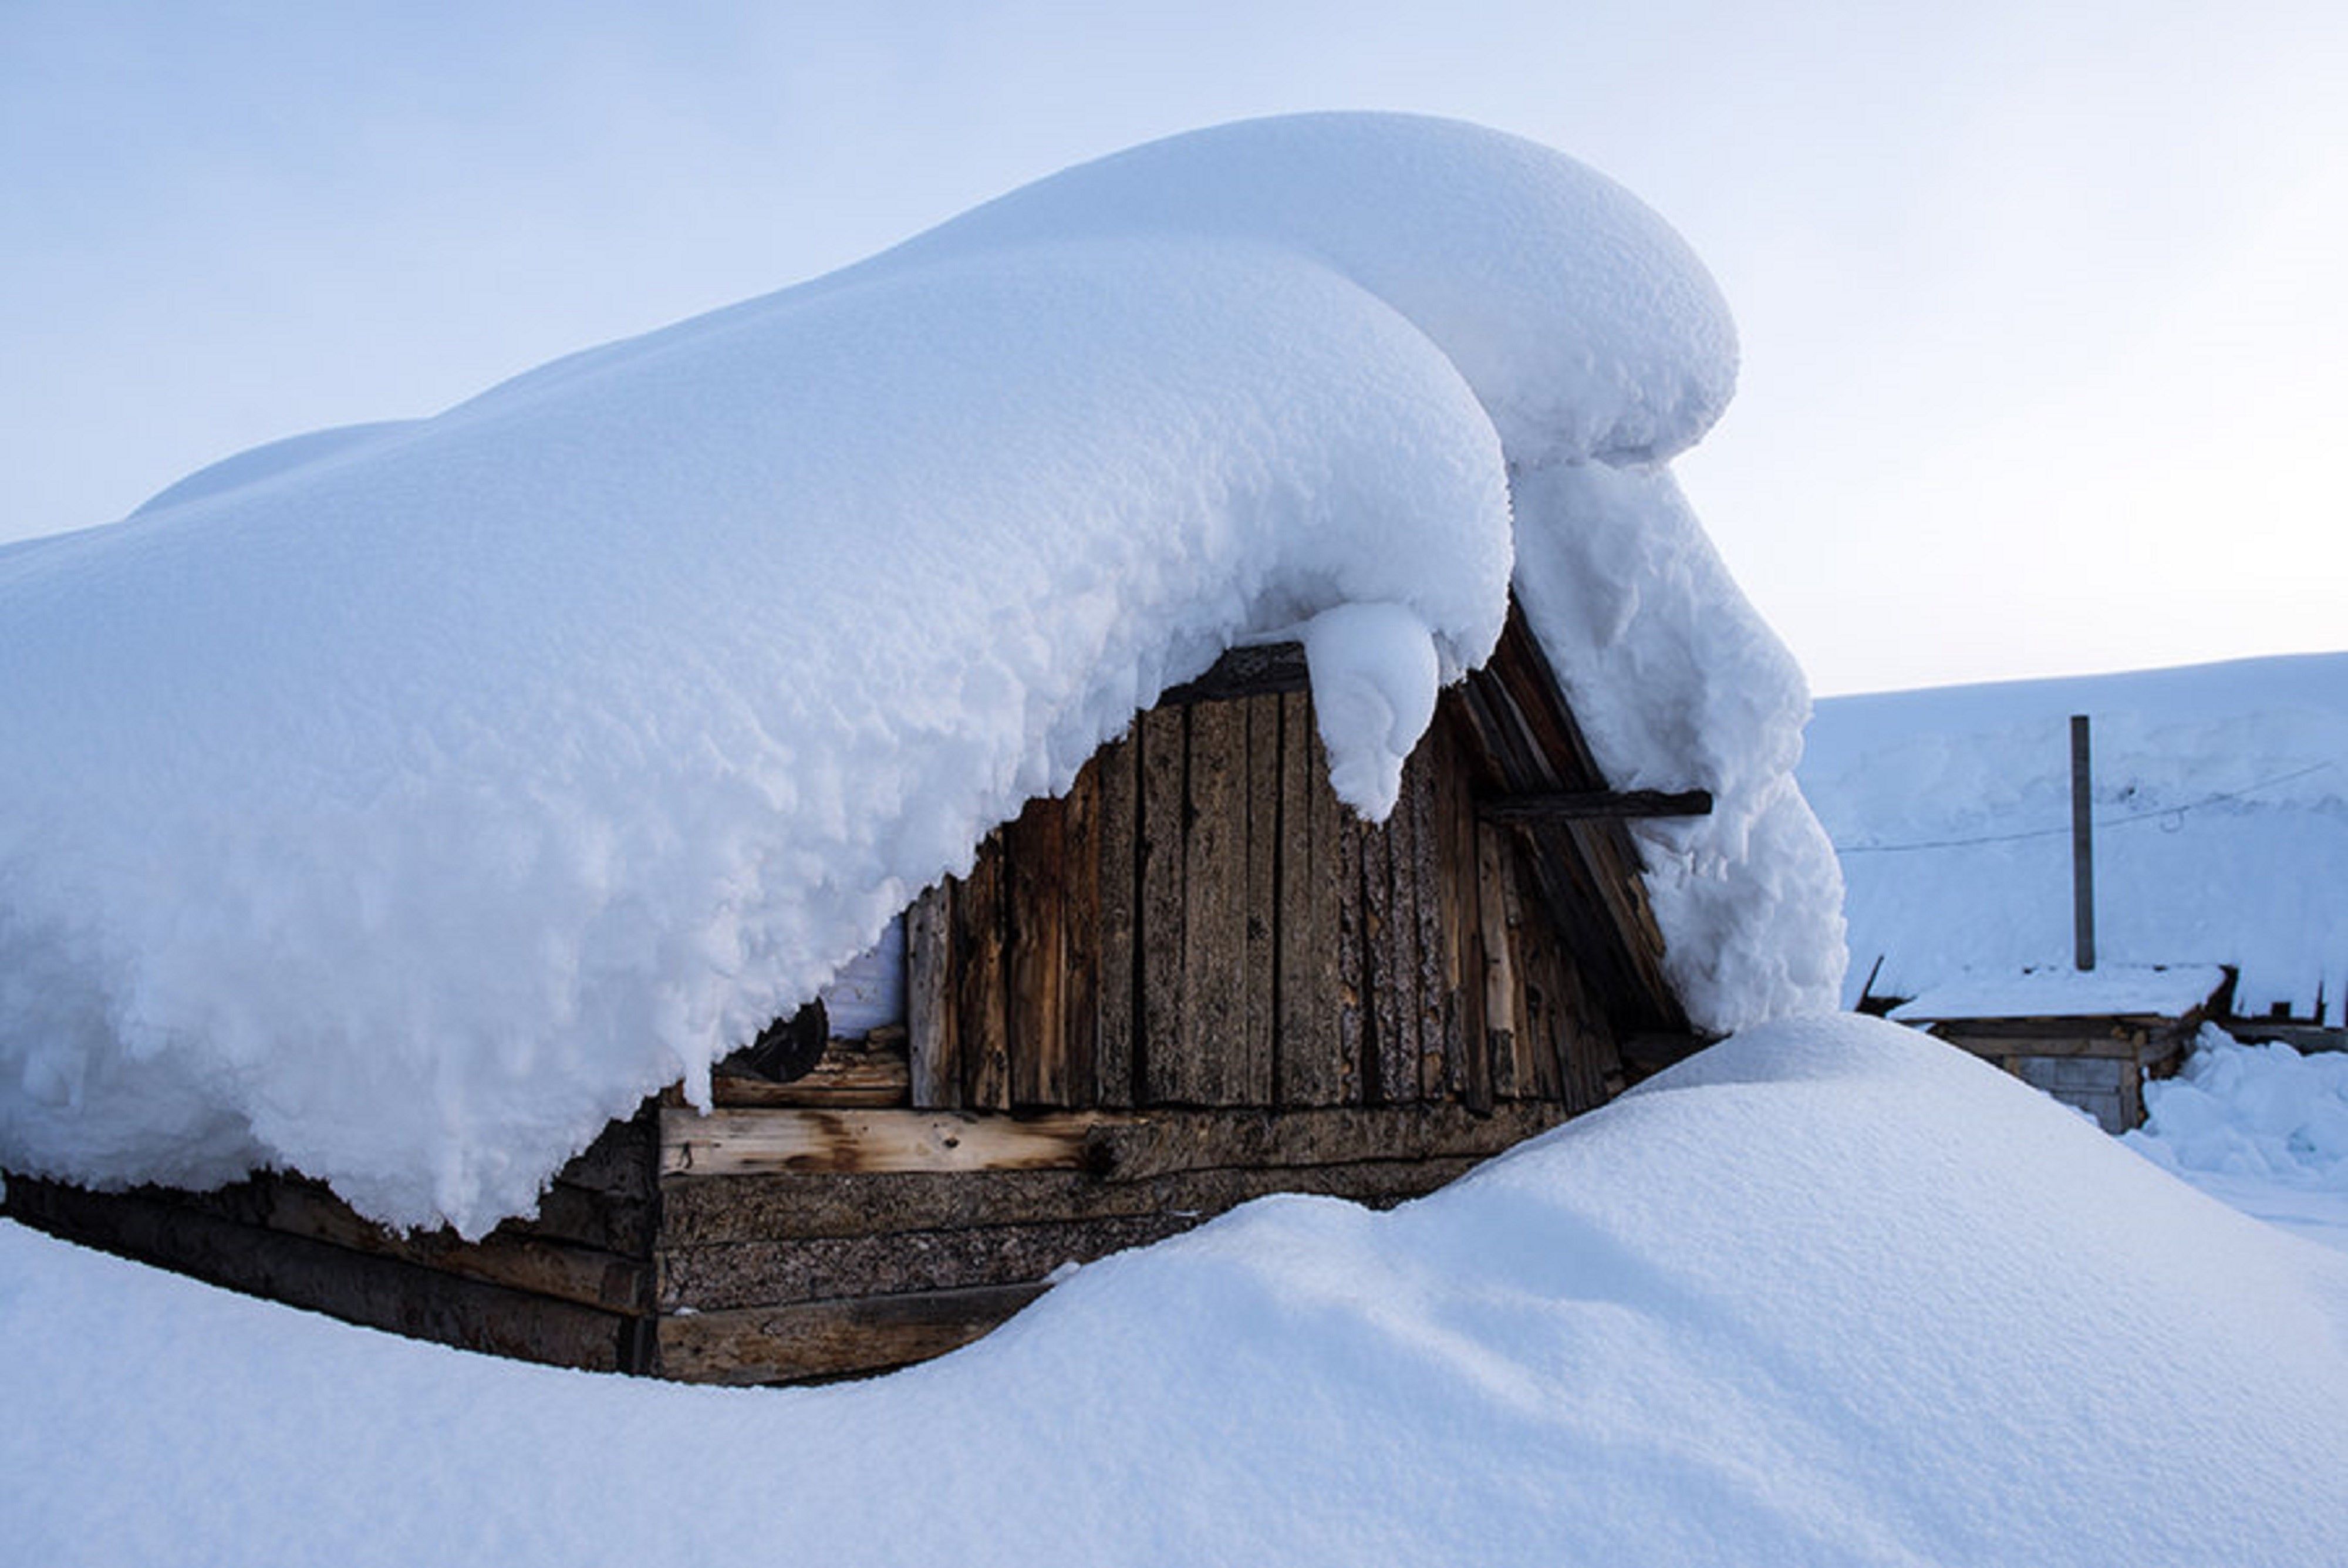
(1166, 580)
(1195, 978)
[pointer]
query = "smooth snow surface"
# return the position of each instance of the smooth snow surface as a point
(401, 805)
(2221, 826)
(2113, 990)
(1829, 1294)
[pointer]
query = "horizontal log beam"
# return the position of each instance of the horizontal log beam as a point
(505, 1257)
(377, 1291)
(1586, 805)
(703, 1212)
(2118, 1027)
(2301, 1037)
(780, 1272)
(752, 1141)
(1113, 1146)
(2003, 1041)
(831, 1339)
(851, 1075)
(1261, 670)
(1162, 1142)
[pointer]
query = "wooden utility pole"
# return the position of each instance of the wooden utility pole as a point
(2083, 847)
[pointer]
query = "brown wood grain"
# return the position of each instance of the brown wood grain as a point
(1202, 1063)
(1080, 940)
(1034, 908)
(1437, 1075)
(706, 1211)
(1162, 903)
(870, 1072)
(1311, 1065)
(829, 1339)
(747, 1142)
(375, 1289)
(1260, 909)
(1357, 1032)
(981, 1008)
(1118, 1016)
(931, 1018)
(777, 1271)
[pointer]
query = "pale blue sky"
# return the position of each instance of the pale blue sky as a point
(2041, 303)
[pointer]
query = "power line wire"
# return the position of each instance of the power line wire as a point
(2105, 822)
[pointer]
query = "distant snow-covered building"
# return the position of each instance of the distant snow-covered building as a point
(2219, 862)
(1227, 599)
(2220, 811)
(2091, 1039)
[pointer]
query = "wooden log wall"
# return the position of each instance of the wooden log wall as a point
(799, 1244)
(573, 1287)
(1201, 922)
(1195, 980)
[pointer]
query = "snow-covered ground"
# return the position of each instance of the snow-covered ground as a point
(2221, 826)
(1830, 1292)
(2260, 1126)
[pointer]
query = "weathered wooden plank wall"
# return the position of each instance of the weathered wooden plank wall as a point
(1201, 923)
(791, 1249)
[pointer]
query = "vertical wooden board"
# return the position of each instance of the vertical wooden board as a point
(1524, 1043)
(1389, 968)
(1119, 991)
(1577, 1067)
(1206, 1069)
(1310, 1071)
(2131, 1091)
(1403, 1058)
(1545, 998)
(1260, 906)
(931, 1020)
(1467, 1064)
(981, 1012)
(1035, 892)
(1426, 859)
(1589, 1043)
(1080, 936)
(1500, 975)
(1160, 1041)
(1347, 834)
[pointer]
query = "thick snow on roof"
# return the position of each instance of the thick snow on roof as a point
(2108, 990)
(402, 804)
(1830, 1294)
(2220, 811)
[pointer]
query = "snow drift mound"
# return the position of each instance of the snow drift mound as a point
(1829, 1294)
(402, 804)
(2256, 1110)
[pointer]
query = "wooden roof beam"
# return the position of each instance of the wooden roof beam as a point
(1583, 805)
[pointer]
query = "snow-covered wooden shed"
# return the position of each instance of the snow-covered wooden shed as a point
(1232, 593)
(1195, 978)
(2091, 1039)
